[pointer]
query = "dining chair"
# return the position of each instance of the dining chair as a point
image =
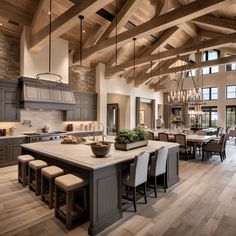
(216, 147)
(151, 135)
(158, 167)
(164, 137)
(137, 176)
(184, 148)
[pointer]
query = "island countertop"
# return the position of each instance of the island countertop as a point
(81, 154)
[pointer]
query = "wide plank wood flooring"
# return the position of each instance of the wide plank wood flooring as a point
(202, 204)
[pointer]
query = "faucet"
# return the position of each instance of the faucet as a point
(103, 129)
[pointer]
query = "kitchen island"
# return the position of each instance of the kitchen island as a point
(104, 174)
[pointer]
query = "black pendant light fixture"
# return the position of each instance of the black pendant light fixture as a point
(49, 74)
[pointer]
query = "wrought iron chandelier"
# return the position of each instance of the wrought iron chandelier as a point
(192, 96)
(49, 75)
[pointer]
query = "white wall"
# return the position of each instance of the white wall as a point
(124, 108)
(33, 63)
(220, 80)
(119, 85)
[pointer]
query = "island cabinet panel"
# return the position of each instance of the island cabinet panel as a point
(105, 198)
(85, 108)
(9, 102)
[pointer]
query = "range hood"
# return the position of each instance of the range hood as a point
(39, 94)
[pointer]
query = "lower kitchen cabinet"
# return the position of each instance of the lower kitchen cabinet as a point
(9, 150)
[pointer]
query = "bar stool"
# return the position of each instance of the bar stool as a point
(69, 211)
(23, 162)
(48, 175)
(35, 175)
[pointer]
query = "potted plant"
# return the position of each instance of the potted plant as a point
(130, 139)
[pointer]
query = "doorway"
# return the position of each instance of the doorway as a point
(113, 118)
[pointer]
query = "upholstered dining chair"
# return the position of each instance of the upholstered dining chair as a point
(216, 147)
(137, 176)
(163, 137)
(184, 148)
(158, 167)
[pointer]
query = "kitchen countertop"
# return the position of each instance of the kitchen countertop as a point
(81, 154)
(24, 135)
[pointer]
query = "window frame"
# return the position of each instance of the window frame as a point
(205, 57)
(210, 93)
(226, 94)
(210, 115)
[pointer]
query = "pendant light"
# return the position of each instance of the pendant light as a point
(46, 75)
(80, 69)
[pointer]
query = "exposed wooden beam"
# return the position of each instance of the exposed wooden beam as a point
(189, 28)
(13, 13)
(178, 69)
(218, 23)
(159, 6)
(122, 17)
(204, 45)
(66, 21)
(209, 34)
(165, 21)
(40, 18)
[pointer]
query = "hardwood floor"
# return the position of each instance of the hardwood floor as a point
(203, 203)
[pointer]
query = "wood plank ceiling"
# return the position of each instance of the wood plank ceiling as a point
(164, 30)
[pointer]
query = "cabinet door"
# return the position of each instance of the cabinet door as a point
(4, 151)
(15, 148)
(10, 108)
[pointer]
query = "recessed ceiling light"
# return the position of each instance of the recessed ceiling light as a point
(84, 31)
(49, 13)
(1, 24)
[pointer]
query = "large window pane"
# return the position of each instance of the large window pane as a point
(209, 117)
(231, 91)
(208, 56)
(231, 116)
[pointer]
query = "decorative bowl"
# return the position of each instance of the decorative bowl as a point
(100, 149)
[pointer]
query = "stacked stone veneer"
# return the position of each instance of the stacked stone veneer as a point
(9, 57)
(83, 81)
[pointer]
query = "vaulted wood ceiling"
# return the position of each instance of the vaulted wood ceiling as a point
(167, 32)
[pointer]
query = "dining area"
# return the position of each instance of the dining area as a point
(198, 145)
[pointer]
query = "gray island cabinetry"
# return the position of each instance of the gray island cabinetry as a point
(104, 174)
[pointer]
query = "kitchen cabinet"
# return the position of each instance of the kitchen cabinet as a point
(85, 108)
(10, 149)
(9, 101)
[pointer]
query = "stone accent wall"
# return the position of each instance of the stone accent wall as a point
(84, 81)
(9, 57)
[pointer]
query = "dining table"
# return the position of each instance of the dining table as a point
(194, 139)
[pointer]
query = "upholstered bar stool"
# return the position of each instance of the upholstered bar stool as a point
(35, 175)
(23, 161)
(70, 211)
(48, 175)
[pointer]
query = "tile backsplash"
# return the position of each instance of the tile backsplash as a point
(34, 120)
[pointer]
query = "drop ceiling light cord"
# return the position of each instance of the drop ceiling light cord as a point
(134, 39)
(116, 35)
(50, 36)
(81, 39)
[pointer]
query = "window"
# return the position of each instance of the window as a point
(209, 117)
(231, 67)
(210, 93)
(208, 56)
(230, 91)
(190, 73)
(230, 116)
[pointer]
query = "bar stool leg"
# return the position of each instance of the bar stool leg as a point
(38, 182)
(42, 188)
(56, 201)
(69, 205)
(24, 174)
(19, 172)
(51, 193)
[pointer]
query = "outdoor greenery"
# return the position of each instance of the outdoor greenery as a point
(129, 136)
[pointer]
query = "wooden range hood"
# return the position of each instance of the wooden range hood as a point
(39, 94)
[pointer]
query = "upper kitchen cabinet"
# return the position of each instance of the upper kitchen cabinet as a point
(9, 101)
(85, 108)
